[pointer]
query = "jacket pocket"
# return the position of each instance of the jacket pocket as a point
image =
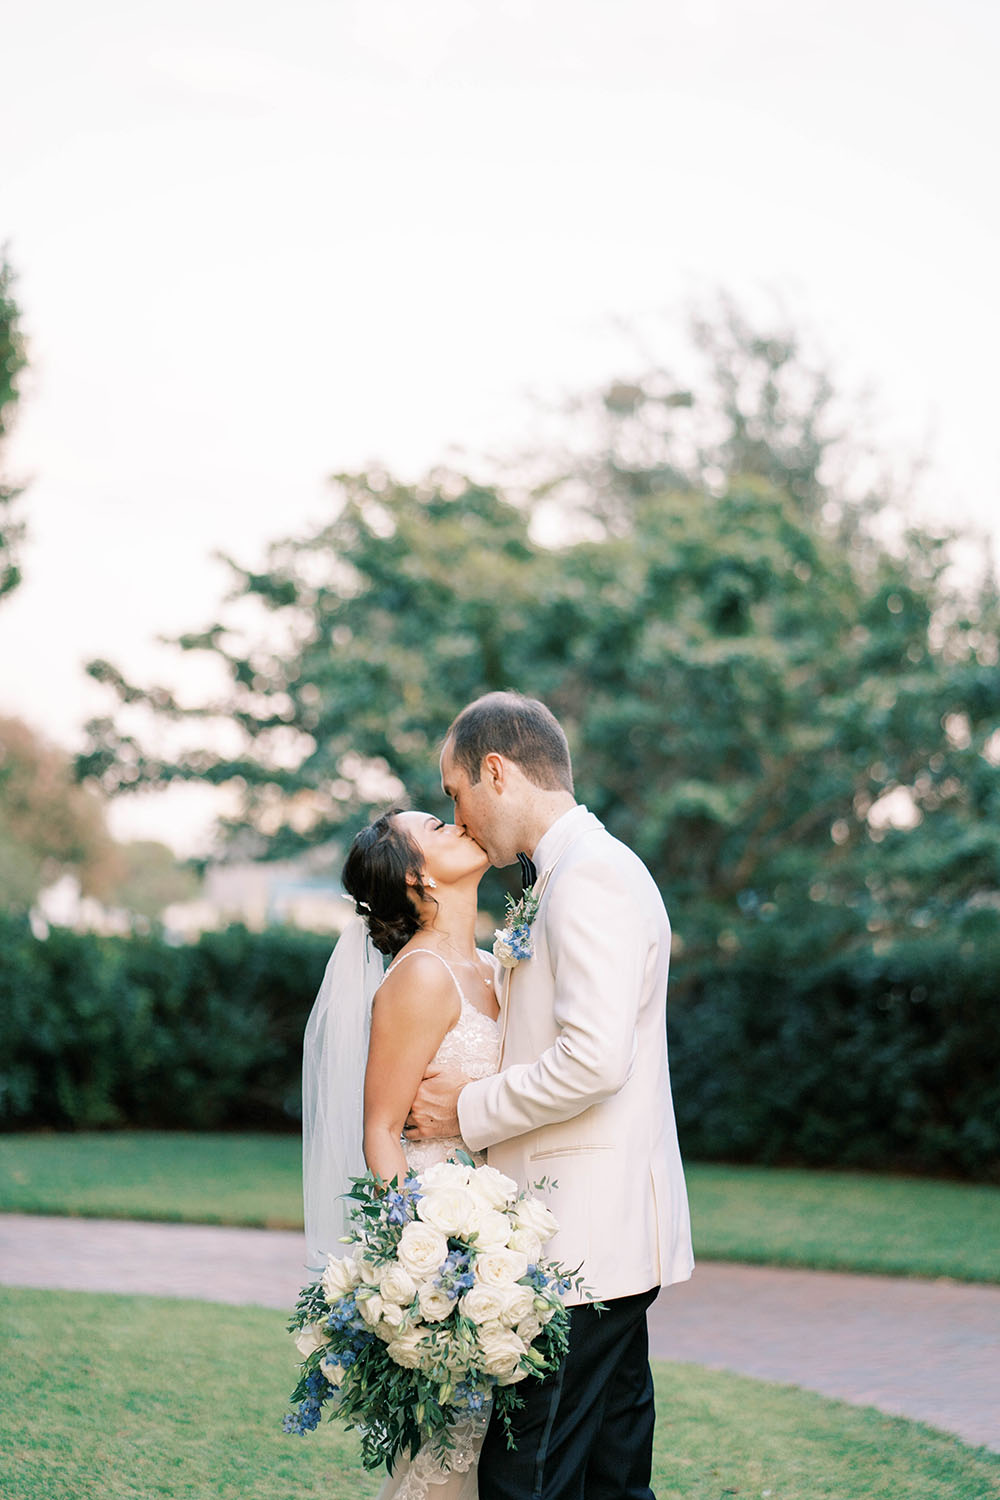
(568, 1151)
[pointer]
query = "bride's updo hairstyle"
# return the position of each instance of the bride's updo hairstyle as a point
(375, 875)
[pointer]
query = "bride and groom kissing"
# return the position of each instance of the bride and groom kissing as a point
(553, 1065)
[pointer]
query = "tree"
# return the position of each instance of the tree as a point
(12, 362)
(774, 687)
(150, 878)
(49, 825)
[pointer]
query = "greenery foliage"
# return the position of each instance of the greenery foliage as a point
(12, 362)
(48, 823)
(774, 687)
(888, 1061)
(177, 1399)
(107, 1031)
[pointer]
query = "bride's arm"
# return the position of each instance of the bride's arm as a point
(414, 1009)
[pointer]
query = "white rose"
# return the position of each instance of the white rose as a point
(333, 1371)
(371, 1309)
(435, 1303)
(397, 1285)
(366, 1271)
(516, 1374)
(500, 1267)
(518, 1303)
(529, 1328)
(496, 1190)
(392, 1314)
(449, 1209)
(338, 1279)
(502, 949)
(501, 1350)
(445, 1174)
(310, 1338)
(492, 1229)
(532, 1214)
(483, 1304)
(407, 1348)
(527, 1241)
(544, 1311)
(421, 1249)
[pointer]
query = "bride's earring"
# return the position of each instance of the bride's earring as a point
(430, 883)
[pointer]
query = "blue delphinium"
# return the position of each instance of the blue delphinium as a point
(456, 1276)
(306, 1416)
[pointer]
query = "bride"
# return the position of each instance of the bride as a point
(414, 881)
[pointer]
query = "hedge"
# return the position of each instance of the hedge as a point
(870, 1060)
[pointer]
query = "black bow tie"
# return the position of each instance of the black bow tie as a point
(528, 872)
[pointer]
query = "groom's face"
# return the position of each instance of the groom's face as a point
(477, 809)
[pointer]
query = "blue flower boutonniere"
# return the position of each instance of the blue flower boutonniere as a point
(512, 942)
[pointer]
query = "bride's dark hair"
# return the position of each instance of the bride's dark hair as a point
(375, 874)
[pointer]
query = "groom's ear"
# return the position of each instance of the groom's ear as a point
(494, 771)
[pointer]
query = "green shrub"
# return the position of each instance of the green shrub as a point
(96, 1031)
(869, 1060)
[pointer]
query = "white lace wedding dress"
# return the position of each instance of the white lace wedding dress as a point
(473, 1047)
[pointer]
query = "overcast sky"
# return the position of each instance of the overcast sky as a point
(258, 243)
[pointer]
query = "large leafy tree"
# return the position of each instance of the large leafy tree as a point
(12, 362)
(49, 824)
(775, 688)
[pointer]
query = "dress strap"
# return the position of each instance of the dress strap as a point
(404, 956)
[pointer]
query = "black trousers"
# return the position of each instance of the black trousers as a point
(586, 1432)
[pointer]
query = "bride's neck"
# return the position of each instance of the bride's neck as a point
(452, 922)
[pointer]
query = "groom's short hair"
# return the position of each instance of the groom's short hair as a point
(522, 729)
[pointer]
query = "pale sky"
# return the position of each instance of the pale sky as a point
(261, 243)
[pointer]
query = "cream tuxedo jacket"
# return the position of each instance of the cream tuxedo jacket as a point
(583, 1094)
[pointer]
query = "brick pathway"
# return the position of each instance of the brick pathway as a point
(929, 1350)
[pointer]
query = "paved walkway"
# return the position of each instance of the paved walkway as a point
(929, 1350)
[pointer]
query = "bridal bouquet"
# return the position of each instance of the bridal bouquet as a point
(442, 1303)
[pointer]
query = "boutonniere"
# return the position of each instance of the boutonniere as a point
(512, 942)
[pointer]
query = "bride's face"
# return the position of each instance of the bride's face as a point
(449, 854)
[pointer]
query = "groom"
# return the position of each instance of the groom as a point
(582, 1097)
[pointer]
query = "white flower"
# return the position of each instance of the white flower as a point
(435, 1303)
(501, 1350)
(421, 1249)
(527, 1241)
(334, 1372)
(366, 1271)
(502, 949)
(516, 1374)
(531, 1213)
(407, 1348)
(445, 1174)
(483, 1304)
(491, 1228)
(529, 1328)
(493, 1187)
(339, 1278)
(397, 1285)
(449, 1209)
(518, 1303)
(310, 1338)
(500, 1267)
(544, 1311)
(392, 1314)
(371, 1309)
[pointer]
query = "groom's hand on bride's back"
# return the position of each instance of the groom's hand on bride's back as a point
(434, 1111)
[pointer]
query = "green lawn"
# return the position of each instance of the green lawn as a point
(111, 1397)
(831, 1220)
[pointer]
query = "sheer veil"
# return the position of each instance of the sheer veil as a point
(334, 1051)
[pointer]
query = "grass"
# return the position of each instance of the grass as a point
(844, 1221)
(105, 1398)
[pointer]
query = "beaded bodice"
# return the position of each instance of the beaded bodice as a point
(472, 1046)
